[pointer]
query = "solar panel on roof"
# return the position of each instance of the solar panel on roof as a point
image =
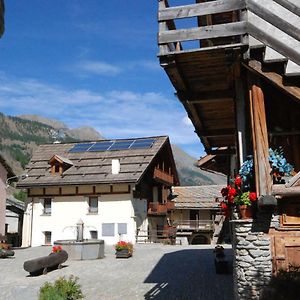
(113, 145)
(121, 145)
(142, 144)
(100, 146)
(81, 147)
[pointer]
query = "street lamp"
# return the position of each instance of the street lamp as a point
(22, 176)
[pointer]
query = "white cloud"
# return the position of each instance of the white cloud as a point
(94, 67)
(117, 114)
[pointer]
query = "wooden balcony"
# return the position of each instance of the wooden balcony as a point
(163, 177)
(156, 208)
(191, 225)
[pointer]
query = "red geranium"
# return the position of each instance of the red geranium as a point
(56, 249)
(238, 181)
(232, 192)
(252, 196)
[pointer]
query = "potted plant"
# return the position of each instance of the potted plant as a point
(237, 194)
(123, 249)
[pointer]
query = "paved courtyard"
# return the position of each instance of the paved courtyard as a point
(154, 272)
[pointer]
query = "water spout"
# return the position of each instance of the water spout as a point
(80, 226)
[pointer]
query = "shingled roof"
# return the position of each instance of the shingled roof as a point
(195, 197)
(91, 167)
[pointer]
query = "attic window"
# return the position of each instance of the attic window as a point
(59, 164)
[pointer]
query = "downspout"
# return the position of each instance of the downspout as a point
(31, 222)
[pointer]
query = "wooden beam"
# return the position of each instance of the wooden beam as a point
(205, 32)
(172, 70)
(200, 9)
(274, 19)
(204, 97)
(276, 79)
(260, 140)
(220, 151)
(289, 6)
(216, 133)
(273, 42)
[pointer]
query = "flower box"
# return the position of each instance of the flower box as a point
(124, 253)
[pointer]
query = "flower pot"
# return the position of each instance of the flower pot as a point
(124, 253)
(245, 212)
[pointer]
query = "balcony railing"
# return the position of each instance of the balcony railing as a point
(157, 208)
(163, 176)
(217, 19)
(201, 225)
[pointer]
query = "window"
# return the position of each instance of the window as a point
(122, 228)
(108, 229)
(47, 237)
(93, 205)
(94, 234)
(47, 206)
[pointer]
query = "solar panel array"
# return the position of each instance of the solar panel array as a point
(113, 145)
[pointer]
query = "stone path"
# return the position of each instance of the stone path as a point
(154, 272)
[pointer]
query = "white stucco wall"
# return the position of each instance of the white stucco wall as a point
(3, 177)
(67, 210)
(12, 220)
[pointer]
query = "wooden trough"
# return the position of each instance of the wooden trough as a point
(41, 265)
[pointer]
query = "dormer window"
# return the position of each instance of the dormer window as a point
(59, 164)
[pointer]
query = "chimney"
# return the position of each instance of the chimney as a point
(115, 166)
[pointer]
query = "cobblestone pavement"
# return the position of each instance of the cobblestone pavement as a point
(154, 272)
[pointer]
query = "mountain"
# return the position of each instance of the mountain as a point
(19, 136)
(189, 174)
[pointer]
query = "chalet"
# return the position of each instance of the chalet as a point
(235, 66)
(196, 214)
(5, 173)
(118, 188)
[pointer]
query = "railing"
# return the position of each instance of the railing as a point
(163, 176)
(227, 23)
(160, 208)
(206, 225)
(232, 24)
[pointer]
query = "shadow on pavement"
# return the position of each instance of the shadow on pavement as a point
(190, 274)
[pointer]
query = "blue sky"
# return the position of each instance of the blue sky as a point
(91, 63)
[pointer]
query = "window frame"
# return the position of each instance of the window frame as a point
(92, 209)
(45, 209)
(46, 235)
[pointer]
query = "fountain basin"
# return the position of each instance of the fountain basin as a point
(88, 249)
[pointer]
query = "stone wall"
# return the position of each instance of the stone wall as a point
(252, 264)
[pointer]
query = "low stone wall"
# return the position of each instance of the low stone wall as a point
(252, 264)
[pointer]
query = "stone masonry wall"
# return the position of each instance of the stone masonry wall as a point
(252, 264)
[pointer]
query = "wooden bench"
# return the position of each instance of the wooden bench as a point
(41, 265)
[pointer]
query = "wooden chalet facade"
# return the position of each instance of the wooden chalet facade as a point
(118, 188)
(235, 66)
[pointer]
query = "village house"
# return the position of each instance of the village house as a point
(118, 188)
(235, 66)
(197, 213)
(5, 173)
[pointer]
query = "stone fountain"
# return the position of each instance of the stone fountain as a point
(81, 249)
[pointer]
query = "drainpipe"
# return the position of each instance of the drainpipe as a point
(31, 223)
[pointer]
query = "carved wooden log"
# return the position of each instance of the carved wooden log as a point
(5, 253)
(42, 264)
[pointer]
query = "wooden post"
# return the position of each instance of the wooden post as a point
(260, 140)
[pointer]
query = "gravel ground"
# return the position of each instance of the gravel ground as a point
(154, 272)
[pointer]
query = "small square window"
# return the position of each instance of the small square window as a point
(47, 237)
(122, 228)
(108, 229)
(94, 234)
(47, 206)
(93, 205)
